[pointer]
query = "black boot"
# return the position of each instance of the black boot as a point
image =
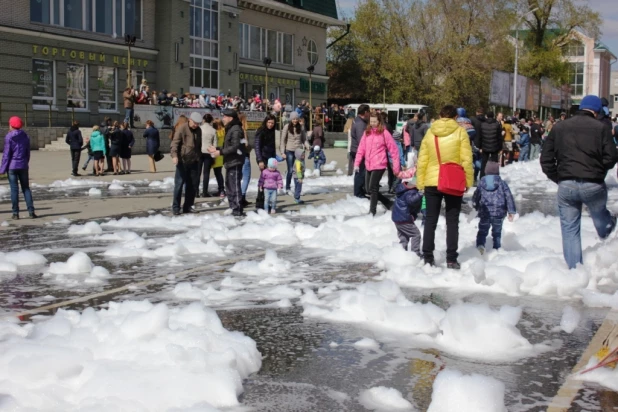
(244, 202)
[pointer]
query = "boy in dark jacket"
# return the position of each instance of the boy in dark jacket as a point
(404, 213)
(318, 156)
(493, 200)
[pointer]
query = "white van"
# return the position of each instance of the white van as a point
(398, 114)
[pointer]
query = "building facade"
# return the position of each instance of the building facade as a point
(590, 67)
(67, 59)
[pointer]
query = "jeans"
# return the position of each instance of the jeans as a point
(271, 199)
(524, 153)
(128, 117)
(486, 157)
(372, 183)
(496, 231)
(204, 168)
(233, 178)
(187, 175)
(453, 207)
(360, 190)
(298, 187)
(571, 195)
(535, 151)
(21, 176)
(90, 157)
(75, 155)
(289, 160)
(246, 175)
(317, 164)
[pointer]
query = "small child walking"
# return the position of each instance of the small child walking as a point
(318, 156)
(493, 200)
(299, 170)
(404, 213)
(270, 181)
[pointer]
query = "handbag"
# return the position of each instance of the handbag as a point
(259, 202)
(451, 178)
(158, 156)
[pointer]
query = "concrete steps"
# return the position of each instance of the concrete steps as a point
(60, 145)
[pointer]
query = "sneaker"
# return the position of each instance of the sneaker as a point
(176, 212)
(33, 215)
(15, 216)
(245, 203)
(453, 265)
(272, 212)
(239, 214)
(299, 202)
(222, 194)
(84, 168)
(481, 250)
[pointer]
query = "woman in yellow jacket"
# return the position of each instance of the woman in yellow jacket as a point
(217, 166)
(454, 148)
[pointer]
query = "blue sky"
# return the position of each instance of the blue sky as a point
(608, 9)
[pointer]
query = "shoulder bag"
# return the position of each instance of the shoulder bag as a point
(451, 178)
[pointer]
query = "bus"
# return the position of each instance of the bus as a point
(398, 114)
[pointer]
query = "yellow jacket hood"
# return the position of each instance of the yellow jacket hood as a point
(443, 127)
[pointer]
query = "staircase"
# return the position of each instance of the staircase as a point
(60, 145)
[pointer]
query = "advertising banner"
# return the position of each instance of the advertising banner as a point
(500, 90)
(42, 81)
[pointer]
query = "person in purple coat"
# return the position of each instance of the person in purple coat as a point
(270, 181)
(15, 159)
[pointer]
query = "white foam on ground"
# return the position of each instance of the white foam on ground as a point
(115, 186)
(76, 270)
(23, 258)
(384, 399)
(89, 228)
(350, 206)
(570, 319)
(132, 356)
(367, 343)
(94, 192)
(454, 391)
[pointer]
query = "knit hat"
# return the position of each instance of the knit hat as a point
(273, 163)
(492, 168)
(591, 102)
(293, 116)
(317, 148)
(196, 117)
(16, 123)
(299, 153)
(230, 113)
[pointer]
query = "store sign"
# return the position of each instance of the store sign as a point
(102, 58)
(272, 81)
(42, 79)
(316, 87)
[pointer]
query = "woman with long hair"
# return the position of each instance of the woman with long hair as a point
(374, 148)
(293, 136)
(451, 141)
(115, 146)
(265, 146)
(152, 144)
(127, 145)
(217, 166)
(246, 168)
(182, 119)
(318, 133)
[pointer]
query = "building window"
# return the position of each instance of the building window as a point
(110, 17)
(107, 88)
(204, 45)
(77, 85)
(576, 78)
(257, 43)
(43, 82)
(312, 53)
(574, 49)
(136, 78)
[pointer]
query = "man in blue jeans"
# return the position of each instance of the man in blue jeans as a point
(577, 155)
(15, 160)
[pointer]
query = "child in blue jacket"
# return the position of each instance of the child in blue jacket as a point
(493, 200)
(318, 156)
(404, 212)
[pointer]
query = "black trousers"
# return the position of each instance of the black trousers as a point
(372, 182)
(233, 179)
(186, 176)
(75, 155)
(205, 166)
(433, 199)
(486, 157)
(360, 183)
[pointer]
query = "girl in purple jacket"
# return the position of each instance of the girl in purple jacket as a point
(270, 181)
(15, 160)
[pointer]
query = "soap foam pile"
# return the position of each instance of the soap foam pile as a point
(468, 330)
(77, 270)
(11, 261)
(384, 399)
(454, 391)
(132, 356)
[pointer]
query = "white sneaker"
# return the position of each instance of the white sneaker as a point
(481, 250)
(272, 212)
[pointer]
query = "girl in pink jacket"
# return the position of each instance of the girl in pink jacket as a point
(376, 148)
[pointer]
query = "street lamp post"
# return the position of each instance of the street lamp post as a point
(129, 41)
(267, 61)
(517, 57)
(310, 69)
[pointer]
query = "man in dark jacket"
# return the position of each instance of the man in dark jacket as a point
(106, 131)
(75, 141)
(489, 141)
(186, 153)
(233, 159)
(418, 131)
(358, 130)
(536, 138)
(478, 120)
(577, 155)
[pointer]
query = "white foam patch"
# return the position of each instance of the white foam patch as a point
(115, 186)
(132, 356)
(384, 399)
(89, 228)
(271, 265)
(367, 343)
(78, 269)
(570, 319)
(350, 206)
(23, 258)
(454, 391)
(94, 192)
